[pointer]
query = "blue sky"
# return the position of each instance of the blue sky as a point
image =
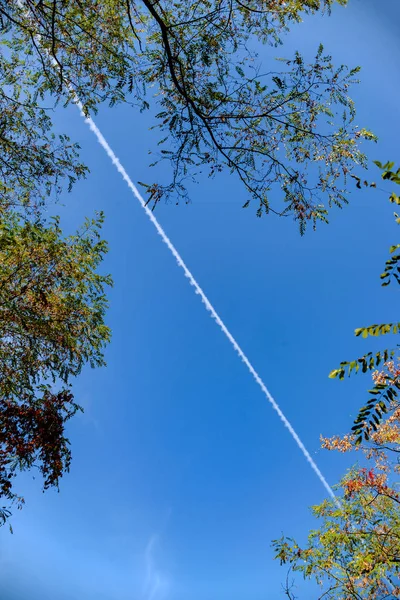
(182, 474)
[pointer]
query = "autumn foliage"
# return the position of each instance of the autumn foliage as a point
(287, 126)
(51, 324)
(355, 554)
(385, 392)
(33, 434)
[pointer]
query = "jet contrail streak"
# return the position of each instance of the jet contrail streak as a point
(213, 313)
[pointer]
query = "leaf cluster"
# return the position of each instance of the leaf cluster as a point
(290, 128)
(52, 310)
(34, 162)
(384, 394)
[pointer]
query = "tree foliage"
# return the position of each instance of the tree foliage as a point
(51, 324)
(289, 127)
(386, 389)
(355, 552)
(53, 299)
(33, 160)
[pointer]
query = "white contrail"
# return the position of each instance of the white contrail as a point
(213, 313)
(116, 162)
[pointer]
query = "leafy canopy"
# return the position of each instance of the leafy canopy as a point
(354, 554)
(52, 312)
(288, 127)
(34, 162)
(53, 299)
(386, 388)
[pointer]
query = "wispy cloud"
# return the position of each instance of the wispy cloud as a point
(86, 401)
(156, 584)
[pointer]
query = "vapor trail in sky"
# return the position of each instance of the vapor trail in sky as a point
(213, 313)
